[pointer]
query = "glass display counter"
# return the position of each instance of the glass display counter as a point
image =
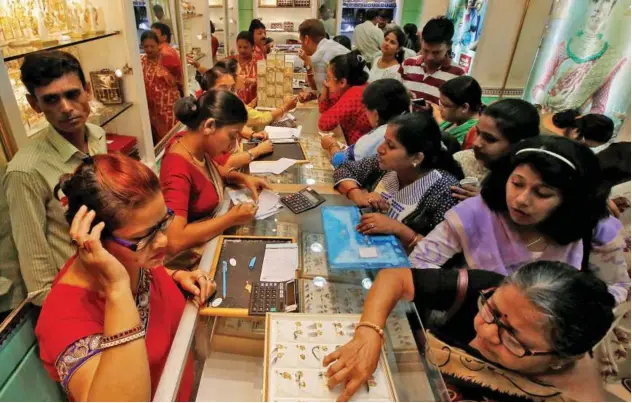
(319, 170)
(230, 352)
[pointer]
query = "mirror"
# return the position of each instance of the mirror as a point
(162, 67)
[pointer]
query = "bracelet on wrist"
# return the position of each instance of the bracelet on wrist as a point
(349, 192)
(251, 155)
(373, 326)
(173, 275)
(123, 337)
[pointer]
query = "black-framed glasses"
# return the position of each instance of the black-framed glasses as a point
(505, 334)
(148, 239)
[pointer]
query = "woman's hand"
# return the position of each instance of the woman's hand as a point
(263, 148)
(197, 283)
(242, 213)
(354, 363)
(290, 103)
(463, 192)
(373, 200)
(326, 142)
(377, 223)
(97, 261)
(262, 135)
(254, 184)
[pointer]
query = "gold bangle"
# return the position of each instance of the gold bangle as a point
(373, 326)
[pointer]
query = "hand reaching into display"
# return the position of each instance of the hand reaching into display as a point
(290, 103)
(197, 283)
(354, 363)
(377, 223)
(365, 199)
(106, 269)
(243, 213)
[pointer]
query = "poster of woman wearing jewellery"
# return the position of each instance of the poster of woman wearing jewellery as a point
(584, 59)
(467, 17)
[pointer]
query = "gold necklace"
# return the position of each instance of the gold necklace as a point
(534, 242)
(200, 163)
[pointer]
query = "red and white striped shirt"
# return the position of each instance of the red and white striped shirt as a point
(423, 85)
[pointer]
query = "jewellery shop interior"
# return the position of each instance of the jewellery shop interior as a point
(315, 200)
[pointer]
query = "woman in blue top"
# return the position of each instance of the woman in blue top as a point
(384, 99)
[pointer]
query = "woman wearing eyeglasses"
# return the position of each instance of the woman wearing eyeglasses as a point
(192, 182)
(106, 328)
(521, 338)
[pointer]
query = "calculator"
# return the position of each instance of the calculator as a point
(303, 200)
(267, 296)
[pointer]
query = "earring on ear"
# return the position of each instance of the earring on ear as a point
(415, 164)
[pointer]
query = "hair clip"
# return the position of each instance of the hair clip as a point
(361, 59)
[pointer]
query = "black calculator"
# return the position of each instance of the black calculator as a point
(267, 296)
(303, 200)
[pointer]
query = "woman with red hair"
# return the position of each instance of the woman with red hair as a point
(114, 309)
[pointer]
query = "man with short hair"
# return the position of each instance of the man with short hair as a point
(160, 16)
(328, 22)
(316, 52)
(424, 74)
(367, 37)
(170, 57)
(57, 88)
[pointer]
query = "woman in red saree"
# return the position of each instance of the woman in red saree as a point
(248, 67)
(107, 326)
(160, 85)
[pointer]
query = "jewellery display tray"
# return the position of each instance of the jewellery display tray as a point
(242, 249)
(293, 150)
(348, 249)
(295, 346)
(340, 298)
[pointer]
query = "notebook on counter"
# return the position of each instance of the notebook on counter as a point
(348, 249)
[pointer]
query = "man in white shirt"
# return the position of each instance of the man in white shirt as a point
(328, 22)
(367, 37)
(316, 53)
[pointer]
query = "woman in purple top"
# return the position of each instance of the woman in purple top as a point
(543, 201)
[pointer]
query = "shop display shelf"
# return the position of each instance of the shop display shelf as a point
(17, 53)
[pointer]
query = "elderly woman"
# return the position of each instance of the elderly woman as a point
(523, 338)
(114, 309)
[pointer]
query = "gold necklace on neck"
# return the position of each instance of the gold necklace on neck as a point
(200, 163)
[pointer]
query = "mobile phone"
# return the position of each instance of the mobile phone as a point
(418, 102)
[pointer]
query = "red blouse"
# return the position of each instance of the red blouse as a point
(348, 112)
(70, 327)
(187, 191)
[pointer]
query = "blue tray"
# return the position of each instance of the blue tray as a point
(348, 249)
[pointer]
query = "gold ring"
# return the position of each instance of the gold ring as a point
(372, 225)
(76, 243)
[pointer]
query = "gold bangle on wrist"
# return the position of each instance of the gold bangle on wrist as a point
(373, 326)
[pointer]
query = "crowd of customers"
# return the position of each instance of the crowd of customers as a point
(514, 210)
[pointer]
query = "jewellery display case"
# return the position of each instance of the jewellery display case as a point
(224, 15)
(282, 17)
(102, 35)
(295, 347)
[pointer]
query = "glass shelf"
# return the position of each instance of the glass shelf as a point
(105, 115)
(17, 53)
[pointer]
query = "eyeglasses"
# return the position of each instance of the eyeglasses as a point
(505, 334)
(148, 239)
(447, 106)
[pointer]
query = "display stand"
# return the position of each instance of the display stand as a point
(240, 250)
(103, 38)
(282, 17)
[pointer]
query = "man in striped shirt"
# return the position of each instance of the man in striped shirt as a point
(424, 74)
(57, 87)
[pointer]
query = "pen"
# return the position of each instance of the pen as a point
(251, 266)
(224, 272)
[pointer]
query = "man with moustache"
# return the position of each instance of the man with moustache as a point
(57, 87)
